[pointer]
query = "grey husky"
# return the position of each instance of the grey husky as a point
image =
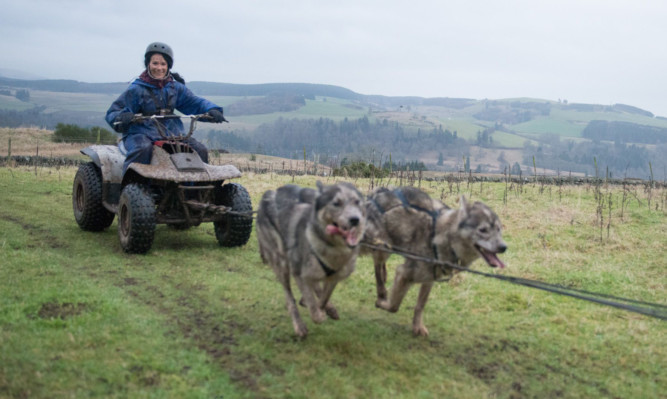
(408, 219)
(312, 235)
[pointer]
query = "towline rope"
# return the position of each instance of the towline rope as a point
(242, 214)
(656, 310)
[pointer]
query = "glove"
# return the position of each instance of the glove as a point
(216, 115)
(122, 121)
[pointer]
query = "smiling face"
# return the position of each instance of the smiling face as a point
(158, 67)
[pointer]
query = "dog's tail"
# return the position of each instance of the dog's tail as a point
(268, 233)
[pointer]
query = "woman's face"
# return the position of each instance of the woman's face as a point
(158, 66)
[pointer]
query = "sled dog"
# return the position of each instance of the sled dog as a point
(408, 219)
(312, 235)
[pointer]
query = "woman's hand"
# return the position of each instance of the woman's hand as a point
(122, 121)
(217, 116)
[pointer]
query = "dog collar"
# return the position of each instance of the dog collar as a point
(327, 270)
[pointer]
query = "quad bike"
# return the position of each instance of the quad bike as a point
(177, 189)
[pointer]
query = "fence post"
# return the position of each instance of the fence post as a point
(304, 161)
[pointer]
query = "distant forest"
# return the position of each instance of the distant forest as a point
(617, 159)
(609, 148)
(624, 132)
(39, 117)
(327, 138)
(361, 139)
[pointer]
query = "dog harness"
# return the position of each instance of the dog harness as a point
(434, 216)
(327, 270)
(404, 202)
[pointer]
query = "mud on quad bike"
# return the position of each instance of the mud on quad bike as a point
(177, 189)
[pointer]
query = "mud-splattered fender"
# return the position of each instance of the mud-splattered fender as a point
(163, 167)
(109, 159)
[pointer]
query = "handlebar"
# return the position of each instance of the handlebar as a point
(160, 127)
(203, 117)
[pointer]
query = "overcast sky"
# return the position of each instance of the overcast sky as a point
(590, 51)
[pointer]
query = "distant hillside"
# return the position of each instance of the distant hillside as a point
(491, 135)
(15, 74)
(306, 90)
(63, 85)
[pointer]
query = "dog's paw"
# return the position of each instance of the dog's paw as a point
(331, 311)
(318, 316)
(384, 304)
(420, 331)
(300, 329)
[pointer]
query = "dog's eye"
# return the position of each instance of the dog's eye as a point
(484, 230)
(338, 203)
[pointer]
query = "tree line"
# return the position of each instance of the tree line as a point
(618, 159)
(20, 94)
(349, 137)
(36, 116)
(624, 132)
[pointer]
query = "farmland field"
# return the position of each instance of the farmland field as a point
(79, 318)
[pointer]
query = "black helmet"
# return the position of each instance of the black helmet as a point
(160, 48)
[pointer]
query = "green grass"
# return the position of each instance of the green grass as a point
(568, 123)
(79, 318)
(59, 101)
(560, 127)
(314, 109)
(224, 101)
(466, 128)
(11, 103)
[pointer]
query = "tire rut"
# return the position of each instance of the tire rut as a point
(209, 331)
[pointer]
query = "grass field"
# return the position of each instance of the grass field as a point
(80, 319)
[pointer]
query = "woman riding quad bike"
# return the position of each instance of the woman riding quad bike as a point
(157, 91)
(159, 174)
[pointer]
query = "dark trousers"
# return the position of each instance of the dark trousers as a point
(140, 149)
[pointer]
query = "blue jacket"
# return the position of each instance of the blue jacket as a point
(144, 98)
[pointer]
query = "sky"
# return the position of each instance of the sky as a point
(583, 51)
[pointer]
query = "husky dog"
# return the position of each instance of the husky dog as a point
(408, 219)
(312, 235)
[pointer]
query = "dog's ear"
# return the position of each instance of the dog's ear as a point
(463, 203)
(463, 208)
(320, 186)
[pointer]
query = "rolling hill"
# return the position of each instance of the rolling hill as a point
(494, 134)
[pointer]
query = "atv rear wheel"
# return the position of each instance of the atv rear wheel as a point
(89, 212)
(136, 219)
(234, 230)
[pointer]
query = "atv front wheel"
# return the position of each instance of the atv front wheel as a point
(89, 212)
(136, 219)
(234, 229)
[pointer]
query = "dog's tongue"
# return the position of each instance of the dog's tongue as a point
(333, 229)
(351, 238)
(492, 259)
